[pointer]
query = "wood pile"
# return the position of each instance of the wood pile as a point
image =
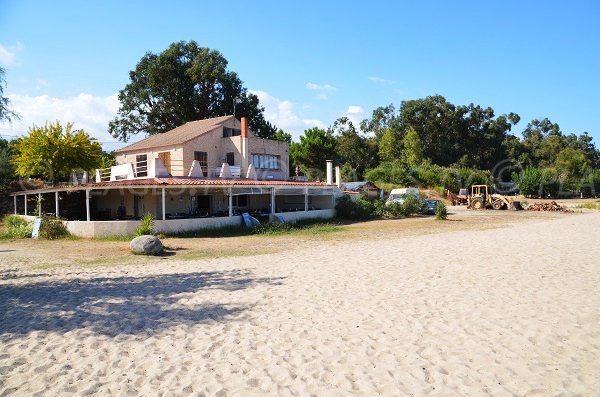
(551, 206)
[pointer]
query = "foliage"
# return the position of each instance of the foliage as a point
(441, 212)
(412, 150)
(146, 225)
(16, 227)
(590, 184)
(185, 82)
(529, 181)
(53, 152)
(5, 112)
(107, 160)
(388, 145)
(347, 208)
(407, 206)
(283, 136)
(53, 228)
(352, 148)
(315, 147)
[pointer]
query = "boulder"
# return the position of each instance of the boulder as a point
(146, 245)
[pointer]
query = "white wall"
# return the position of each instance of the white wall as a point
(293, 217)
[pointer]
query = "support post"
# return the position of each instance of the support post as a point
(56, 205)
(164, 205)
(25, 197)
(87, 205)
(272, 200)
(305, 199)
(230, 203)
(39, 204)
(15, 202)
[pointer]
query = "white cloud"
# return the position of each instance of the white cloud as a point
(322, 87)
(380, 80)
(355, 109)
(88, 112)
(8, 55)
(283, 114)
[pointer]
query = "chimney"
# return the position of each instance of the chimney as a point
(338, 176)
(329, 179)
(244, 122)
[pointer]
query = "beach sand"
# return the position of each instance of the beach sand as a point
(513, 310)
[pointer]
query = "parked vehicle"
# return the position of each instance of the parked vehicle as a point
(432, 206)
(397, 195)
(481, 198)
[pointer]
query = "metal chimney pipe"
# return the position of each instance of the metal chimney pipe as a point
(329, 169)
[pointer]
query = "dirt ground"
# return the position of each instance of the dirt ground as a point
(39, 254)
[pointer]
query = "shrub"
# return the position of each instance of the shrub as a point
(590, 185)
(441, 212)
(146, 225)
(347, 208)
(17, 227)
(529, 181)
(53, 228)
(409, 205)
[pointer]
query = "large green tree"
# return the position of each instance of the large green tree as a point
(412, 149)
(315, 147)
(352, 147)
(389, 145)
(53, 152)
(185, 82)
(5, 111)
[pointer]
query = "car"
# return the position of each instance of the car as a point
(432, 205)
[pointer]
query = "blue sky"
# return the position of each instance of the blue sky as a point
(311, 62)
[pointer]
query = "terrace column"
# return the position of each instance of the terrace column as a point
(25, 196)
(305, 199)
(56, 208)
(230, 202)
(164, 206)
(39, 204)
(87, 204)
(15, 201)
(272, 200)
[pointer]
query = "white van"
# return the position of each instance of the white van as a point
(397, 195)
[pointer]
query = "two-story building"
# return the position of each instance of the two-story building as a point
(203, 174)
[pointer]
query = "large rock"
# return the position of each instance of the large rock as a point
(146, 245)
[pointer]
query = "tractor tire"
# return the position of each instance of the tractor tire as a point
(478, 204)
(498, 205)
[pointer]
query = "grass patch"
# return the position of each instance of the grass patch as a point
(119, 237)
(589, 206)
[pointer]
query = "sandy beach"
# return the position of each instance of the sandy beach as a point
(507, 311)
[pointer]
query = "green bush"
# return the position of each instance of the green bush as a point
(146, 225)
(17, 227)
(347, 208)
(53, 228)
(441, 212)
(409, 205)
(590, 185)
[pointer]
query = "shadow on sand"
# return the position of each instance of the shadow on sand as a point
(118, 305)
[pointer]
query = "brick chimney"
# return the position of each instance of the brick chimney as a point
(245, 149)
(244, 122)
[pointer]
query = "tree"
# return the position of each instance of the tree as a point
(283, 136)
(183, 83)
(315, 147)
(530, 181)
(388, 145)
(382, 118)
(352, 148)
(5, 112)
(412, 150)
(572, 163)
(53, 152)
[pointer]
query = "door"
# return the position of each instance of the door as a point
(165, 157)
(138, 206)
(203, 203)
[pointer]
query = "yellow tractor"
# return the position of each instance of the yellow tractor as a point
(480, 198)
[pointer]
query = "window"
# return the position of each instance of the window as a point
(227, 132)
(202, 158)
(141, 165)
(240, 201)
(265, 161)
(230, 158)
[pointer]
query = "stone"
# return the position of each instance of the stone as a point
(146, 245)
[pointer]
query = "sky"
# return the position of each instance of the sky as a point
(311, 62)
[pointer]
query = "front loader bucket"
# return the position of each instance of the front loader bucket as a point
(516, 206)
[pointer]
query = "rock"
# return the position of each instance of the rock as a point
(146, 245)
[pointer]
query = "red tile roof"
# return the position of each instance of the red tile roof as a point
(178, 182)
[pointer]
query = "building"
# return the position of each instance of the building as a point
(362, 188)
(203, 174)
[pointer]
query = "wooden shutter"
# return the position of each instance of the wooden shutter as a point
(165, 157)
